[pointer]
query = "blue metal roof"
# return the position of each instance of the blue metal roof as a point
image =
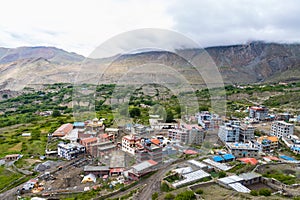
(218, 158)
(78, 124)
(287, 158)
(228, 156)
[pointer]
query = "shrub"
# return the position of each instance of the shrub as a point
(169, 196)
(199, 191)
(254, 193)
(265, 192)
(154, 196)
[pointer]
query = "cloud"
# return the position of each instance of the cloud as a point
(233, 21)
(80, 26)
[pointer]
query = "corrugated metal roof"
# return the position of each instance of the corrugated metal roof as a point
(249, 175)
(197, 163)
(191, 177)
(239, 187)
(230, 179)
(217, 165)
(95, 168)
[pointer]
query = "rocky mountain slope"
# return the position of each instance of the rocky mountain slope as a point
(248, 63)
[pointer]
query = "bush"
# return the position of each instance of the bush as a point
(265, 192)
(199, 191)
(187, 195)
(254, 193)
(222, 174)
(165, 187)
(169, 196)
(154, 196)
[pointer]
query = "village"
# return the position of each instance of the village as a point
(243, 155)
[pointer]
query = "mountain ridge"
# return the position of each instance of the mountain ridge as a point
(242, 63)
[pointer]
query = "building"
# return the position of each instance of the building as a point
(63, 130)
(187, 133)
(230, 132)
(98, 171)
(207, 120)
(282, 129)
(240, 150)
(70, 151)
(246, 133)
(258, 112)
(191, 177)
(87, 143)
(95, 126)
(141, 169)
(12, 157)
(267, 143)
(150, 150)
(130, 143)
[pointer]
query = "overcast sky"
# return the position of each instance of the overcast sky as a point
(80, 26)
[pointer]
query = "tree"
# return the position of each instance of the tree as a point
(254, 193)
(135, 112)
(187, 195)
(170, 116)
(222, 174)
(55, 113)
(164, 187)
(265, 192)
(199, 191)
(4, 96)
(154, 196)
(169, 196)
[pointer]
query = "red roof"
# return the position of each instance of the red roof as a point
(190, 152)
(116, 170)
(88, 140)
(271, 157)
(152, 162)
(251, 161)
(155, 141)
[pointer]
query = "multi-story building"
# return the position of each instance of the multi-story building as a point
(267, 143)
(230, 132)
(282, 129)
(70, 151)
(207, 120)
(258, 112)
(187, 133)
(87, 143)
(130, 143)
(240, 150)
(149, 151)
(246, 133)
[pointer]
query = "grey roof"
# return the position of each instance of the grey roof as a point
(249, 175)
(220, 166)
(142, 166)
(197, 163)
(95, 168)
(239, 187)
(230, 179)
(191, 177)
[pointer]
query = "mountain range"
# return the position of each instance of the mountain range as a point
(238, 64)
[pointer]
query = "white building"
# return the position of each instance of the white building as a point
(230, 132)
(70, 151)
(282, 129)
(246, 133)
(130, 144)
(187, 133)
(241, 150)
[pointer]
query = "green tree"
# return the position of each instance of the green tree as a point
(170, 116)
(222, 174)
(55, 113)
(187, 195)
(154, 196)
(169, 196)
(199, 191)
(254, 193)
(265, 192)
(135, 112)
(164, 187)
